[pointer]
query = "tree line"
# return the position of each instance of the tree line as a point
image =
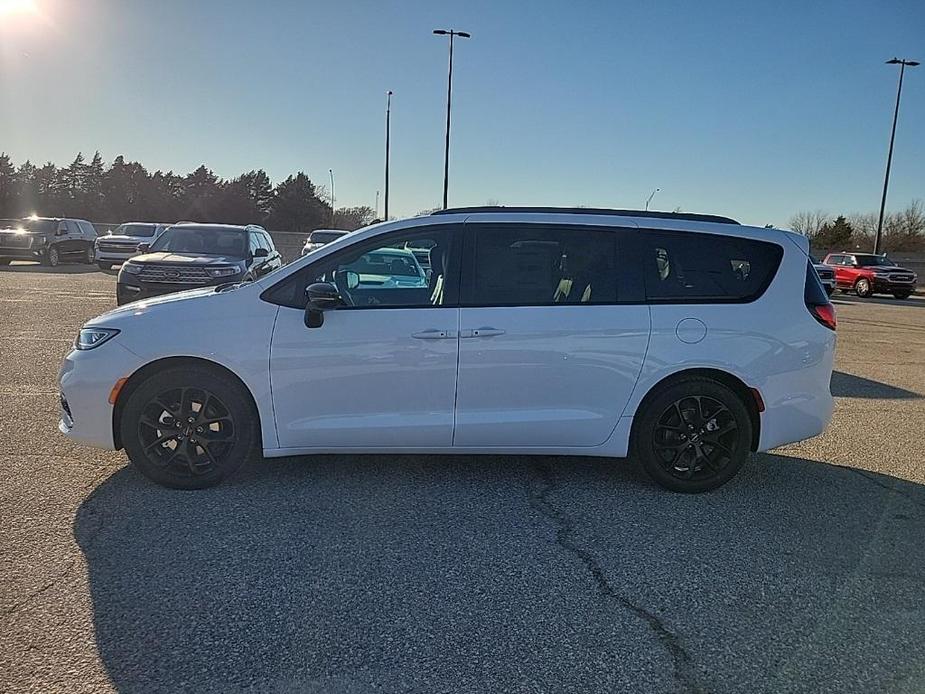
(127, 191)
(902, 231)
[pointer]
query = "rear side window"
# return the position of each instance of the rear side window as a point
(684, 267)
(813, 292)
(541, 265)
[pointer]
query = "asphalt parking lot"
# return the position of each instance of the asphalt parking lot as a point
(404, 573)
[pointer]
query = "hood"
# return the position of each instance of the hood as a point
(186, 259)
(117, 317)
(122, 238)
(885, 268)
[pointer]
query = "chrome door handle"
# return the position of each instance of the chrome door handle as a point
(434, 334)
(481, 332)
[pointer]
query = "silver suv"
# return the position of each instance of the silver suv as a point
(118, 246)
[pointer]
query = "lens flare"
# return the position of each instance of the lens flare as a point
(8, 7)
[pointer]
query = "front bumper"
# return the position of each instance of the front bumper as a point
(114, 256)
(888, 287)
(85, 380)
(129, 289)
(34, 253)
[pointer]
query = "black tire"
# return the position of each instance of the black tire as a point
(863, 288)
(830, 291)
(674, 441)
(104, 266)
(52, 257)
(902, 295)
(90, 254)
(168, 449)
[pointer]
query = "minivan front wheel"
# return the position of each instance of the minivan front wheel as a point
(693, 436)
(189, 427)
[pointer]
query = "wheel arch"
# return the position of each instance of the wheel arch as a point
(142, 373)
(747, 394)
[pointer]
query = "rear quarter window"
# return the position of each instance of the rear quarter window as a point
(687, 267)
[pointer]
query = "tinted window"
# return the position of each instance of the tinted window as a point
(144, 230)
(202, 240)
(41, 226)
(253, 243)
(682, 266)
(266, 241)
(542, 265)
(813, 292)
(382, 273)
(88, 230)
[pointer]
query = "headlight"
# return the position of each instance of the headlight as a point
(40, 240)
(882, 275)
(132, 268)
(223, 271)
(89, 338)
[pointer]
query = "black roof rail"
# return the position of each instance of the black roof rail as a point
(684, 216)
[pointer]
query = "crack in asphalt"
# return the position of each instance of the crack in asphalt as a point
(684, 669)
(66, 572)
(873, 480)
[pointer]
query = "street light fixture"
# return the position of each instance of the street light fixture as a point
(889, 157)
(331, 171)
(388, 134)
(649, 199)
(452, 33)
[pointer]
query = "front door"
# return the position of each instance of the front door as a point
(548, 355)
(380, 372)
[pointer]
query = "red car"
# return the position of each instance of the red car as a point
(866, 274)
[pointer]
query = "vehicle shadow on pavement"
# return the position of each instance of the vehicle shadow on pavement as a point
(913, 302)
(63, 269)
(396, 573)
(847, 385)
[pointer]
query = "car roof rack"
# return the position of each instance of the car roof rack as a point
(500, 209)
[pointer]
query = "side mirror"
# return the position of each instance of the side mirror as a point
(261, 253)
(143, 247)
(320, 297)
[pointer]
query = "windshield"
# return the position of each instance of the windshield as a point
(202, 241)
(40, 226)
(384, 263)
(324, 236)
(144, 230)
(874, 261)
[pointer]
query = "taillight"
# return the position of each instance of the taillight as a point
(825, 314)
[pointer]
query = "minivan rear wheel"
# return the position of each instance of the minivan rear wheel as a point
(693, 435)
(189, 427)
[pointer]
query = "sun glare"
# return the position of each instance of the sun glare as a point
(8, 7)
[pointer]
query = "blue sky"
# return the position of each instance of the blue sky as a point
(755, 110)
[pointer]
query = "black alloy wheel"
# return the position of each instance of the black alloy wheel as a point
(189, 428)
(52, 257)
(693, 436)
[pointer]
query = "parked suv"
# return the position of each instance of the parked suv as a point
(867, 274)
(685, 340)
(118, 246)
(187, 256)
(48, 240)
(320, 237)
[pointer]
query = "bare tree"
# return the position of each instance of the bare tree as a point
(809, 223)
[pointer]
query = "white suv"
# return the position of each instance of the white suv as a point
(686, 340)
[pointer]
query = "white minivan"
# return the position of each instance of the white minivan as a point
(683, 340)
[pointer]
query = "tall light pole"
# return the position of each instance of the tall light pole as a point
(331, 171)
(649, 199)
(452, 33)
(388, 135)
(889, 157)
